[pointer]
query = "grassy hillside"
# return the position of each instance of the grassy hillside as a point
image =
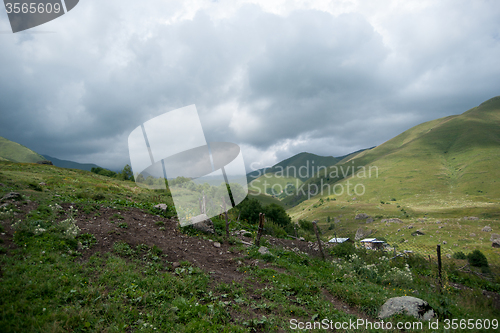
(15, 152)
(440, 171)
(436, 162)
(70, 164)
(302, 166)
(80, 252)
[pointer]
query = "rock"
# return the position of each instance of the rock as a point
(409, 305)
(203, 223)
(175, 264)
(3, 205)
(393, 220)
(302, 239)
(161, 206)
(217, 244)
(410, 227)
(440, 227)
(487, 229)
(42, 184)
(12, 196)
(45, 162)
(448, 256)
(473, 218)
(362, 216)
(79, 246)
(369, 220)
(472, 234)
(360, 234)
(494, 236)
(264, 250)
(444, 242)
(336, 220)
(496, 243)
(399, 230)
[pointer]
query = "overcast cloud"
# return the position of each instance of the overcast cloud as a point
(277, 78)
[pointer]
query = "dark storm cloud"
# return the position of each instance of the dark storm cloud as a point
(278, 85)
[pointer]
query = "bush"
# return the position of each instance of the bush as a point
(459, 255)
(343, 249)
(477, 259)
(306, 225)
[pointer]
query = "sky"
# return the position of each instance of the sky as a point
(275, 77)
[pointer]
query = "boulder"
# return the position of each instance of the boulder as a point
(409, 305)
(12, 196)
(494, 236)
(472, 234)
(360, 234)
(362, 216)
(369, 220)
(496, 243)
(216, 244)
(161, 206)
(203, 223)
(487, 229)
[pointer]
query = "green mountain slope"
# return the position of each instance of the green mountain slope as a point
(301, 166)
(434, 163)
(16, 152)
(70, 164)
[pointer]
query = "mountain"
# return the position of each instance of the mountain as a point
(438, 161)
(70, 164)
(302, 166)
(15, 152)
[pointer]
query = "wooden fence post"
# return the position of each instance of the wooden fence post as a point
(227, 220)
(440, 282)
(261, 228)
(317, 236)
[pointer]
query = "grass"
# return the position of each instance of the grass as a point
(46, 286)
(12, 151)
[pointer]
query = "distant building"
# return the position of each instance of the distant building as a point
(372, 243)
(339, 240)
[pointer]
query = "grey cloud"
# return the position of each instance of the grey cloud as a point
(307, 81)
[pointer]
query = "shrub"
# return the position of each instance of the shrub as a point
(343, 249)
(459, 255)
(306, 225)
(477, 259)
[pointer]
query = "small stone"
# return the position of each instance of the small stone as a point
(217, 244)
(12, 196)
(175, 265)
(264, 250)
(161, 206)
(487, 229)
(444, 242)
